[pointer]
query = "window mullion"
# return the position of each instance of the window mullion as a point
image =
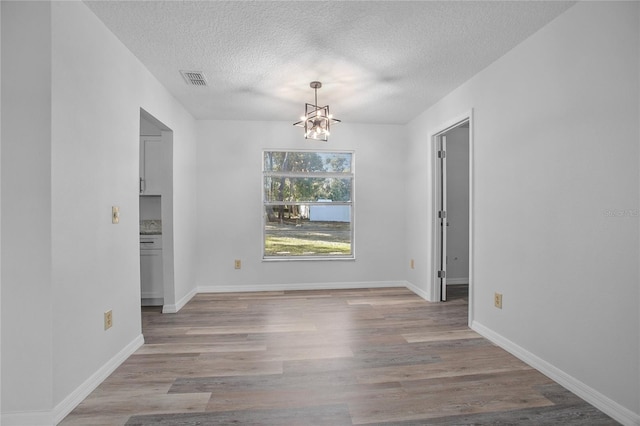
(325, 175)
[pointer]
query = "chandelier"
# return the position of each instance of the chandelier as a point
(316, 120)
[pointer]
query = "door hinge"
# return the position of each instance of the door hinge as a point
(442, 274)
(442, 154)
(442, 214)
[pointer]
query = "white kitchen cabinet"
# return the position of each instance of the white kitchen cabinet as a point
(152, 165)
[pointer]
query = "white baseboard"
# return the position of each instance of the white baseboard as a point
(48, 418)
(151, 301)
(78, 395)
(291, 287)
(313, 286)
(593, 397)
(417, 291)
(172, 309)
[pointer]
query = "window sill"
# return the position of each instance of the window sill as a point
(307, 258)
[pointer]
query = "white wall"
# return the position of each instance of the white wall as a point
(0, 216)
(87, 282)
(26, 226)
(65, 174)
(458, 205)
(555, 147)
(230, 206)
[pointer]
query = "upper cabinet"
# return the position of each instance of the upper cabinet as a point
(152, 165)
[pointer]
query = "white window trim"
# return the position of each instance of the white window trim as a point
(352, 256)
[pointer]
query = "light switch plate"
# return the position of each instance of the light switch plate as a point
(108, 319)
(497, 300)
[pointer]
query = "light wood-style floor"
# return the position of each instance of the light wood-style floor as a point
(334, 357)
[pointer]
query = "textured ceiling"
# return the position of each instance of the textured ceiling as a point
(382, 61)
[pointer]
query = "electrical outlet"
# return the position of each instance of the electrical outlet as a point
(238, 264)
(115, 215)
(412, 264)
(497, 300)
(108, 319)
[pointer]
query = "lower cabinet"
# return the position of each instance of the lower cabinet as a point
(151, 280)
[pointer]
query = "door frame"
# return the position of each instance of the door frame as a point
(168, 256)
(435, 178)
(440, 141)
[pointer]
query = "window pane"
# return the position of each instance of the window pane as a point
(307, 189)
(308, 231)
(307, 162)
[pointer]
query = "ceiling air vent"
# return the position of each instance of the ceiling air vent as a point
(194, 78)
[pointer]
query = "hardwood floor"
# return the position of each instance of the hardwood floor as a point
(334, 357)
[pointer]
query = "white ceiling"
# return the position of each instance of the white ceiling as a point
(379, 61)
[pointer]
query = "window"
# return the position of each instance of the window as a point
(308, 205)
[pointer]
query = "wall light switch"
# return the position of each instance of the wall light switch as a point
(115, 215)
(412, 264)
(237, 264)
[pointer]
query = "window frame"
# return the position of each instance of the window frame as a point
(351, 175)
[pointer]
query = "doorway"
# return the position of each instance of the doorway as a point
(453, 209)
(156, 214)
